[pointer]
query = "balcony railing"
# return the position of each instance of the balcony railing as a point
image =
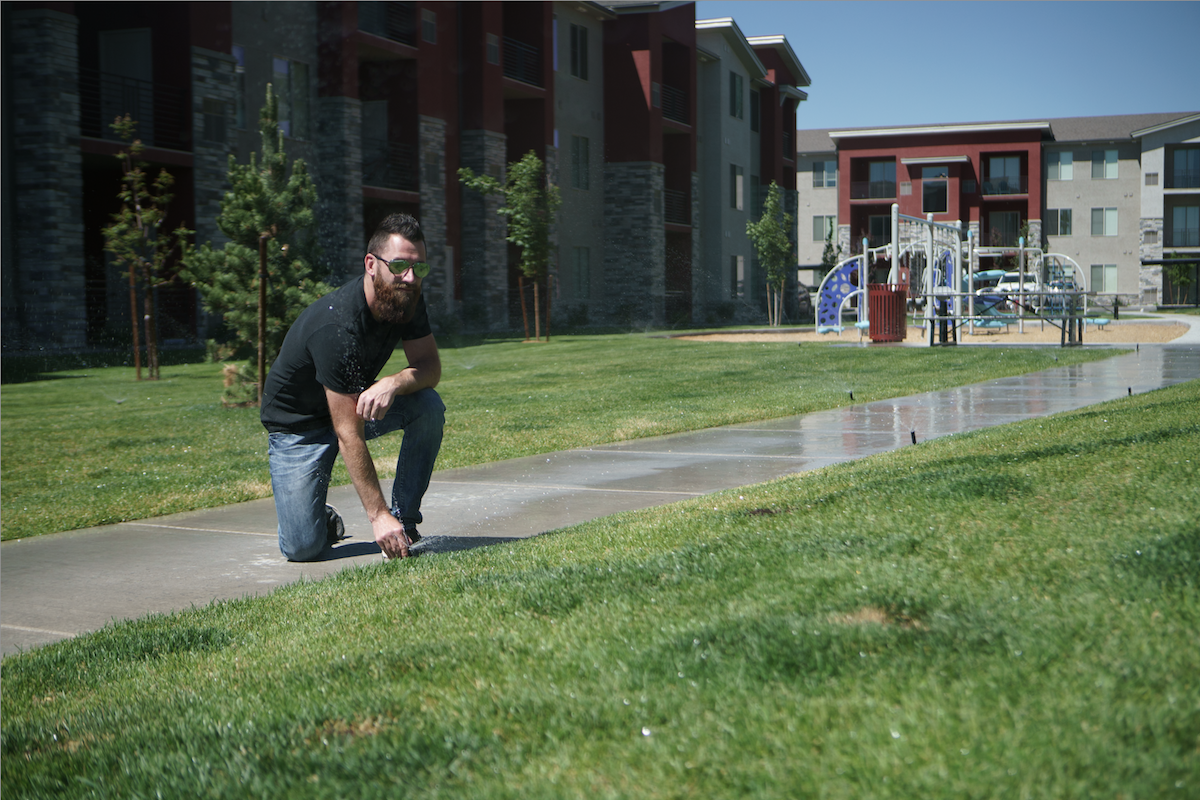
(1183, 237)
(1184, 179)
(872, 190)
(159, 110)
(522, 62)
(675, 104)
(676, 207)
(1002, 186)
(389, 165)
(395, 21)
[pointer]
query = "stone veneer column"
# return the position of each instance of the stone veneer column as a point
(1150, 276)
(338, 175)
(213, 78)
(438, 286)
(49, 309)
(485, 250)
(635, 244)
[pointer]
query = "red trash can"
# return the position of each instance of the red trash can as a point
(886, 309)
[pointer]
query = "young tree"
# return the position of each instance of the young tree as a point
(136, 242)
(1181, 274)
(830, 257)
(530, 204)
(769, 236)
(265, 210)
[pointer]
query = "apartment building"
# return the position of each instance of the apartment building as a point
(750, 92)
(385, 101)
(1117, 194)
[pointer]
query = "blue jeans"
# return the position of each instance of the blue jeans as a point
(301, 464)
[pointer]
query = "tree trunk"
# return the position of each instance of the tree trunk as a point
(151, 324)
(548, 295)
(262, 314)
(537, 316)
(524, 313)
(133, 321)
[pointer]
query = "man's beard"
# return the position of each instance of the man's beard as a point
(394, 304)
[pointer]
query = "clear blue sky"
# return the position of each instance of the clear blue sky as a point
(908, 63)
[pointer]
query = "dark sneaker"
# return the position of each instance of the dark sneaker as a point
(413, 537)
(335, 529)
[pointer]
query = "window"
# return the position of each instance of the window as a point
(1004, 175)
(879, 230)
(583, 273)
(736, 188)
(737, 277)
(1104, 222)
(737, 100)
(1060, 166)
(1005, 228)
(756, 199)
(429, 25)
(214, 121)
(1104, 278)
(239, 98)
(1152, 179)
(823, 227)
(824, 174)
(1185, 173)
(1104, 165)
(655, 94)
(1058, 222)
(934, 189)
(1185, 226)
(291, 87)
(579, 52)
(580, 163)
(493, 48)
(754, 111)
(882, 179)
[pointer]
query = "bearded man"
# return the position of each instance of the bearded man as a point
(322, 398)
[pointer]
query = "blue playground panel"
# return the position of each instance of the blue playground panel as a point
(836, 288)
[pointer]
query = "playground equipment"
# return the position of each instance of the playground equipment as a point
(935, 262)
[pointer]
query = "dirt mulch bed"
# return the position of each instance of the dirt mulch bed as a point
(1116, 332)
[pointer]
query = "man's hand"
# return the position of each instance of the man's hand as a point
(376, 400)
(390, 536)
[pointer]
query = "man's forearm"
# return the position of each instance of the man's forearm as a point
(362, 472)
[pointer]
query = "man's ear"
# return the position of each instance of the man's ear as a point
(369, 265)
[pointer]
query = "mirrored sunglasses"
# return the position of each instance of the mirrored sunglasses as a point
(399, 266)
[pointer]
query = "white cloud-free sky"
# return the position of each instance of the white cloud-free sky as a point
(909, 63)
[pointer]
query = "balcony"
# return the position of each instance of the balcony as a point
(1183, 237)
(389, 165)
(1184, 179)
(394, 21)
(522, 62)
(676, 207)
(675, 104)
(159, 110)
(872, 190)
(1005, 186)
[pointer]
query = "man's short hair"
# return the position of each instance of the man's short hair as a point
(404, 224)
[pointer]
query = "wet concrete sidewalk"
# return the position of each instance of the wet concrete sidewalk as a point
(56, 586)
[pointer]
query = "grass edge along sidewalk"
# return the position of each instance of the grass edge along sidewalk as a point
(93, 447)
(1007, 613)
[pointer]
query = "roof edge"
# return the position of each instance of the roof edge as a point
(728, 28)
(924, 129)
(1165, 126)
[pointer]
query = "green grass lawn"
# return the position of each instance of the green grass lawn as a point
(1009, 613)
(94, 447)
